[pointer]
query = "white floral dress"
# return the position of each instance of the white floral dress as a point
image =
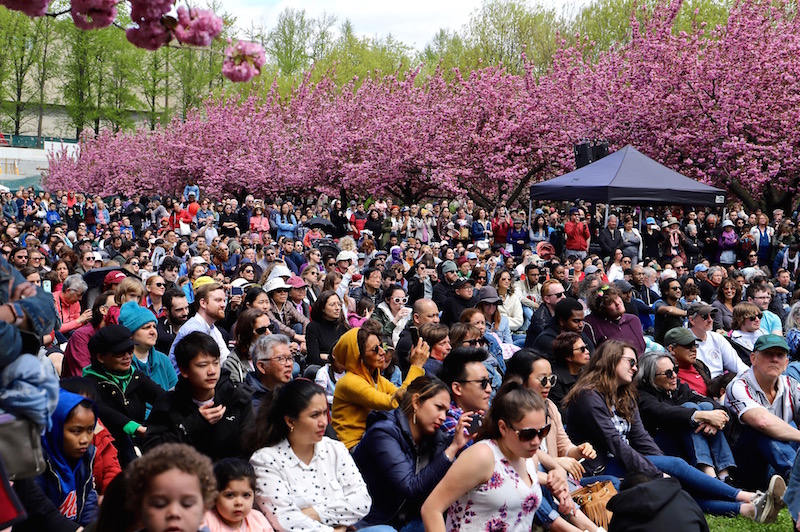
(503, 503)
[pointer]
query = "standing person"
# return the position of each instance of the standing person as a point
(495, 480)
(601, 409)
(578, 235)
(632, 243)
(211, 301)
(762, 234)
(610, 237)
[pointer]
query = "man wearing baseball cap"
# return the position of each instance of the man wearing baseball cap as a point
(444, 288)
(767, 404)
(712, 348)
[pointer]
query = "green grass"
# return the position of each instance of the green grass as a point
(733, 524)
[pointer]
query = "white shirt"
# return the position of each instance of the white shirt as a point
(194, 324)
(331, 483)
(744, 394)
(716, 353)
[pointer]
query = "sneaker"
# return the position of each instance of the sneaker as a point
(777, 487)
(764, 508)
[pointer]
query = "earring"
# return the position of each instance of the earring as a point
(414, 419)
(291, 429)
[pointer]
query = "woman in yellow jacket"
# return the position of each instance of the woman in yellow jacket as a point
(363, 388)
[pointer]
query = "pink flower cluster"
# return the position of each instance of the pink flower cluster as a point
(197, 27)
(243, 61)
(151, 33)
(93, 14)
(32, 8)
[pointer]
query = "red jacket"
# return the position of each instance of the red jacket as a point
(577, 236)
(106, 463)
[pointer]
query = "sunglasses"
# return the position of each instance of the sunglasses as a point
(559, 295)
(582, 349)
(756, 317)
(261, 330)
(632, 361)
(160, 285)
(377, 349)
(548, 380)
(669, 373)
(400, 300)
(526, 435)
(481, 278)
(477, 342)
(482, 382)
(703, 316)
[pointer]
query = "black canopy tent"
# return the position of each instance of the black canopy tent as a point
(627, 176)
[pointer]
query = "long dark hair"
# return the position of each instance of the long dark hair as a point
(245, 331)
(290, 400)
(600, 375)
(318, 309)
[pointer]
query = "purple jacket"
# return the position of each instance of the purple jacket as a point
(627, 328)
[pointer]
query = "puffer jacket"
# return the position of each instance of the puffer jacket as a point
(359, 392)
(388, 457)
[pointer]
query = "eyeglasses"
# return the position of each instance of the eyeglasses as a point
(559, 295)
(526, 435)
(752, 255)
(400, 300)
(481, 278)
(377, 349)
(482, 382)
(669, 373)
(261, 330)
(122, 354)
(477, 342)
(632, 361)
(159, 285)
(282, 360)
(581, 349)
(756, 317)
(548, 380)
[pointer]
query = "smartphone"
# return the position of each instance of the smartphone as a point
(475, 424)
(47, 286)
(237, 290)
(414, 335)
(571, 272)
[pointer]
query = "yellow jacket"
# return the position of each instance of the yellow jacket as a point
(357, 393)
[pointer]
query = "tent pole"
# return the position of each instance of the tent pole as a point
(530, 212)
(641, 228)
(605, 223)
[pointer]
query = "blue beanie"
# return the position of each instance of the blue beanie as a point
(134, 316)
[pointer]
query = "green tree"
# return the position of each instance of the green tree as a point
(81, 74)
(24, 46)
(289, 41)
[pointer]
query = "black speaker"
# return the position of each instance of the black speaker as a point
(583, 154)
(599, 150)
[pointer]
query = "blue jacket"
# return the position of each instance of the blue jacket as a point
(285, 228)
(387, 457)
(69, 487)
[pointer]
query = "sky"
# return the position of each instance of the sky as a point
(414, 22)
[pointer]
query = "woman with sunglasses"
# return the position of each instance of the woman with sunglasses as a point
(155, 286)
(404, 453)
(602, 409)
(570, 356)
(363, 389)
(745, 328)
(251, 324)
(392, 313)
(681, 421)
(326, 327)
(557, 451)
(495, 482)
(468, 335)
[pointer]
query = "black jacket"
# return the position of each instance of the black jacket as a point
(544, 342)
(541, 317)
(656, 506)
(454, 305)
(321, 336)
(609, 241)
(176, 418)
(441, 290)
(662, 410)
(388, 458)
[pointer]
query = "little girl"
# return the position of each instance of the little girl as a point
(170, 488)
(328, 375)
(236, 482)
(363, 312)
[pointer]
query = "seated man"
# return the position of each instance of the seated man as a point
(272, 358)
(712, 348)
(767, 403)
(205, 410)
(569, 317)
(470, 385)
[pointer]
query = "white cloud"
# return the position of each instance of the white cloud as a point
(414, 22)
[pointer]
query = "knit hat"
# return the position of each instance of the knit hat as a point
(134, 316)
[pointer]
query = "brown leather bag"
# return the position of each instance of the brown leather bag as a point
(593, 499)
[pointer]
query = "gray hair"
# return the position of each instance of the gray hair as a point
(264, 346)
(793, 317)
(75, 282)
(649, 272)
(648, 366)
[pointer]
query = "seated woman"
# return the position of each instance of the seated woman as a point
(494, 482)
(534, 372)
(436, 335)
(326, 327)
(570, 355)
(403, 454)
(363, 389)
(681, 421)
(392, 313)
(475, 317)
(745, 329)
(304, 480)
(601, 409)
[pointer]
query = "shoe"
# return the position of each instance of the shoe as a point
(764, 508)
(777, 487)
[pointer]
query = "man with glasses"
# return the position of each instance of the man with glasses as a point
(682, 344)
(712, 348)
(458, 301)
(759, 294)
(19, 257)
(36, 260)
(469, 382)
(670, 312)
(552, 293)
(371, 287)
(273, 362)
(767, 404)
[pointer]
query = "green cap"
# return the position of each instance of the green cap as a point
(679, 336)
(769, 341)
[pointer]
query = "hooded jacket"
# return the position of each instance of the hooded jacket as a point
(387, 457)
(70, 487)
(656, 506)
(359, 391)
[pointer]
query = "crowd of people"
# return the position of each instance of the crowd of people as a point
(316, 365)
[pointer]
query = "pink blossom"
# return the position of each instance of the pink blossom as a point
(197, 27)
(243, 61)
(93, 14)
(149, 35)
(142, 10)
(32, 8)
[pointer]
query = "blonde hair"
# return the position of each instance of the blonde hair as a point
(129, 285)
